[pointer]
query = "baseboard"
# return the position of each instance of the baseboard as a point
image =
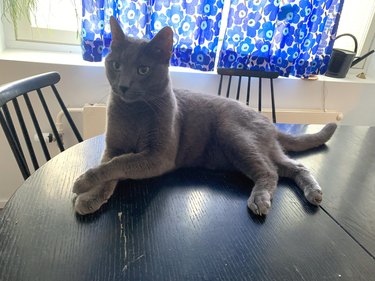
(304, 116)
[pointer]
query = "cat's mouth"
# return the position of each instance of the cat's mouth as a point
(129, 95)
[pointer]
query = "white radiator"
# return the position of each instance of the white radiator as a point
(94, 117)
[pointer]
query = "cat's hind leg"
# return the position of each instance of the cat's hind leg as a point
(292, 169)
(246, 157)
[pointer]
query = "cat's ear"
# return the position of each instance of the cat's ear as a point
(118, 36)
(161, 45)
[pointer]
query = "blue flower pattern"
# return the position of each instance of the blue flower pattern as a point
(289, 36)
(196, 26)
(292, 37)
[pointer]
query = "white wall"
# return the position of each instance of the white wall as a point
(82, 84)
(363, 111)
(2, 43)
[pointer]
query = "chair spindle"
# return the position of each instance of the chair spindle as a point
(67, 114)
(50, 120)
(14, 147)
(26, 135)
(19, 142)
(229, 72)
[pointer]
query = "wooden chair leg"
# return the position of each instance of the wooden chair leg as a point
(228, 89)
(238, 88)
(260, 96)
(248, 91)
(220, 84)
(273, 102)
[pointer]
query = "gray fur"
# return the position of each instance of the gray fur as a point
(153, 129)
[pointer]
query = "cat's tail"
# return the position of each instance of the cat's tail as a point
(307, 141)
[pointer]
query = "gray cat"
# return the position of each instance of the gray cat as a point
(153, 129)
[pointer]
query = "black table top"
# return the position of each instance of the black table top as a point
(193, 224)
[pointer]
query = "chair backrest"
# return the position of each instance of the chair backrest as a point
(17, 97)
(249, 74)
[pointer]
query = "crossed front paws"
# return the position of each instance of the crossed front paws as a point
(85, 182)
(91, 192)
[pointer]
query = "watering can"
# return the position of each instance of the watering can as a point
(341, 60)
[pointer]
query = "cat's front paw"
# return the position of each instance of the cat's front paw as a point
(85, 182)
(91, 201)
(259, 202)
(88, 203)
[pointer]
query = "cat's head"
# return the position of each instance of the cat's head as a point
(137, 69)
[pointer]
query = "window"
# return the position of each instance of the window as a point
(55, 21)
(53, 26)
(359, 20)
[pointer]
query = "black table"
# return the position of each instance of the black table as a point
(194, 224)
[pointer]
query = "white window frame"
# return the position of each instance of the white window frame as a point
(11, 42)
(28, 33)
(368, 45)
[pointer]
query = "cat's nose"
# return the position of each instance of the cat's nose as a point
(124, 89)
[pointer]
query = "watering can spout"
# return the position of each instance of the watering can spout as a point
(357, 60)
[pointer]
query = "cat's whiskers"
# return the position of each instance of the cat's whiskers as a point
(155, 104)
(150, 105)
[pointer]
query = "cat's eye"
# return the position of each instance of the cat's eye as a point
(116, 65)
(143, 70)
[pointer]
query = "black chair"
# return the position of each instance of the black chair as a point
(20, 95)
(249, 74)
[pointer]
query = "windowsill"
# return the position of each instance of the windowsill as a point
(351, 77)
(64, 58)
(46, 57)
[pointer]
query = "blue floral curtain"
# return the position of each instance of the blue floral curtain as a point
(292, 37)
(196, 26)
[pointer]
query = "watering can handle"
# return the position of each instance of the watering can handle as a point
(354, 39)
